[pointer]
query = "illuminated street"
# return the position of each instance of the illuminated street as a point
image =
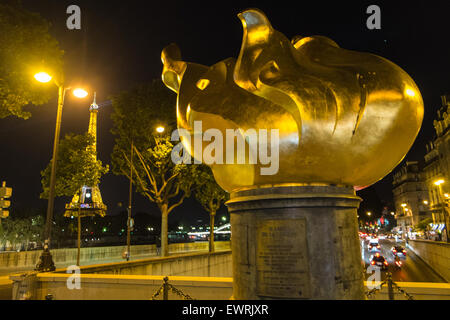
(412, 270)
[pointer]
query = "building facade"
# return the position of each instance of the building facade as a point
(410, 196)
(436, 169)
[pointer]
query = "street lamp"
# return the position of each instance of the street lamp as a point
(439, 183)
(160, 129)
(369, 213)
(42, 77)
(46, 261)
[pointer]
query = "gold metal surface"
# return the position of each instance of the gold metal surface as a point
(344, 117)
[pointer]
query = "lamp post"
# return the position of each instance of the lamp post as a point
(439, 183)
(127, 256)
(46, 262)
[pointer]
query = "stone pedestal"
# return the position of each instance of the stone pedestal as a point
(296, 242)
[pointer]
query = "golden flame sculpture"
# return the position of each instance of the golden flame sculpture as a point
(344, 117)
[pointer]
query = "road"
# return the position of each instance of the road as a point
(413, 268)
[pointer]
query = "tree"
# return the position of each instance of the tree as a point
(137, 112)
(77, 166)
(423, 224)
(20, 231)
(26, 47)
(211, 196)
(163, 182)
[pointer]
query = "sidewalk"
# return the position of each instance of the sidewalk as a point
(9, 271)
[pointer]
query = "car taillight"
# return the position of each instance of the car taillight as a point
(404, 251)
(372, 262)
(394, 251)
(386, 263)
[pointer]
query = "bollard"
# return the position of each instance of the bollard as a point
(166, 289)
(390, 286)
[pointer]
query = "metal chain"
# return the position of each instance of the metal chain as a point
(372, 292)
(408, 296)
(180, 293)
(171, 287)
(375, 290)
(157, 293)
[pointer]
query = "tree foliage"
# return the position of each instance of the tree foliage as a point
(20, 231)
(423, 224)
(77, 166)
(208, 193)
(26, 47)
(159, 179)
(211, 196)
(136, 115)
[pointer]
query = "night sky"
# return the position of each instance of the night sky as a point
(120, 43)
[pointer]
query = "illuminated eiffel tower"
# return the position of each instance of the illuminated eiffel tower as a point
(91, 203)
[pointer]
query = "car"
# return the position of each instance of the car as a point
(374, 246)
(379, 261)
(398, 251)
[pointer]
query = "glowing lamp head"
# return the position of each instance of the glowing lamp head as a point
(80, 93)
(403, 205)
(160, 129)
(42, 77)
(439, 182)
